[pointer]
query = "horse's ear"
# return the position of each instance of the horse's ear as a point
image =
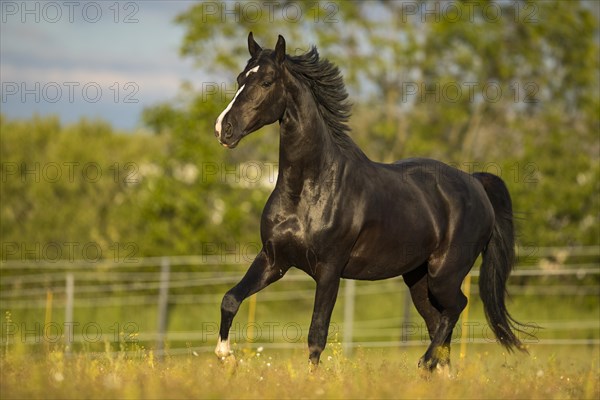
(253, 47)
(280, 50)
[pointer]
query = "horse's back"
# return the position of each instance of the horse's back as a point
(425, 173)
(423, 170)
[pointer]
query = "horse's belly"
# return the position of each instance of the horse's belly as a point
(385, 264)
(393, 246)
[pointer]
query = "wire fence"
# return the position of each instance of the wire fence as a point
(39, 301)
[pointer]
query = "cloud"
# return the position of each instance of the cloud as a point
(153, 85)
(140, 57)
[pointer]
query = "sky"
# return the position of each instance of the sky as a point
(102, 59)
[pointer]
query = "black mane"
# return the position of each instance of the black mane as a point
(327, 86)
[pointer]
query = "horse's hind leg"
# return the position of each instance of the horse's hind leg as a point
(416, 280)
(444, 281)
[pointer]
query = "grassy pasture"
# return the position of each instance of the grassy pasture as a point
(487, 371)
(116, 359)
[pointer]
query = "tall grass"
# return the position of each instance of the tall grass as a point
(135, 373)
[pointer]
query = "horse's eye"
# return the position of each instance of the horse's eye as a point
(266, 84)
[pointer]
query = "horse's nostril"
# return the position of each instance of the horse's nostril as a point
(228, 130)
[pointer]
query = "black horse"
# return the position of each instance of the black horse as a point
(335, 214)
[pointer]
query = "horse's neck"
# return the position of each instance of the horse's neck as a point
(305, 148)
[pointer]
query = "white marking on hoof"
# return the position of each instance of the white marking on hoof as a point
(252, 70)
(444, 370)
(223, 350)
(225, 111)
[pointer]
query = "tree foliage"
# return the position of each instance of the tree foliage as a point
(508, 87)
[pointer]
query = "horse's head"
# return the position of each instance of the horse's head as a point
(260, 98)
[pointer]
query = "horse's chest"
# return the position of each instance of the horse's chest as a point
(304, 238)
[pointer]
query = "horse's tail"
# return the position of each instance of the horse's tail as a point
(498, 261)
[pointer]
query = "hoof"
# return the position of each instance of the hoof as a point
(435, 358)
(427, 364)
(431, 366)
(223, 350)
(312, 367)
(444, 371)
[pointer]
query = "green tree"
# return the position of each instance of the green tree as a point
(67, 186)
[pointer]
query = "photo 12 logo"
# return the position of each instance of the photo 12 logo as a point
(469, 11)
(269, 11)
(79, 332)
(53, 12)
(60, 252)
(70, 92)
(69, 172)
(237, 253)
(264, 332)
(471, 92)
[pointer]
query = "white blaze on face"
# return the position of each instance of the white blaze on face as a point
(219, 122)
(226, 110)
(223, 350)
(252, 70)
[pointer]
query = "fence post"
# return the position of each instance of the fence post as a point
(48, 317)
(349, 290)
(70, 291)
(251, 318)
(465, 317)
(163, 302)
(405, 329)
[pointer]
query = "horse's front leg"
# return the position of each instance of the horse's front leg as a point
(325, 297)
(260, 275)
